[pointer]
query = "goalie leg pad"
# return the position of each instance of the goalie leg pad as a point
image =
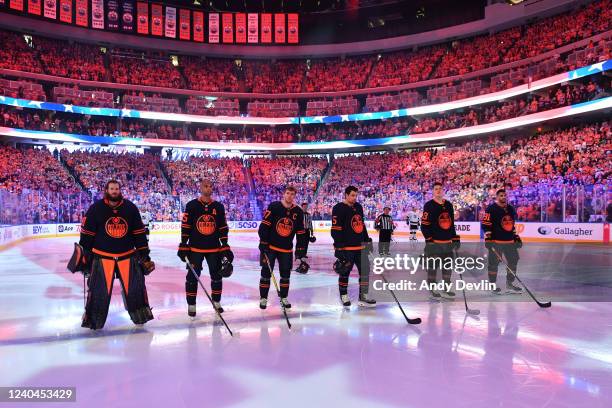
(99, 289)
(136, 299)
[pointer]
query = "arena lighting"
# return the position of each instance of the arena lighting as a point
(395, 141)
(305, 120)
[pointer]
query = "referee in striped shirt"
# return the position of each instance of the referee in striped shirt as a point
(308, 226)
(385, 226)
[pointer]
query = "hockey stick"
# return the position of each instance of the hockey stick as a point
(541, 304)
(277, 290)
(416, 320)
(473, 312)
(84, 301)
(208, 296)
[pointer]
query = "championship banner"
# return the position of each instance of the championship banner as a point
(127, 15)
(213, 28)
(279, 28)
(1, 3)
(292, 28)
(143, 17)
(33, 6)
(50, 9)
(241, 28)
(97, 14)
(198, 26)
(266, 28)
(112, 15)
(185, 24)
(170, 30)
(253, 22)
(157, 20)
(16, 5)
(66, 11)
(82, 12)
(228, 27)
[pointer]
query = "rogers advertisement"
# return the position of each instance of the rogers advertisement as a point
(142, 10)
(198, 26)
(82, 12)
(241, 28)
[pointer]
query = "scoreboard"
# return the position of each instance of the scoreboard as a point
(159, 20)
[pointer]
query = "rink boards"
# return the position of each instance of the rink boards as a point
(470, 231)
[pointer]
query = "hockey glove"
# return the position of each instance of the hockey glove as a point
(488, 241)
(183, 252)
(456, 242)
(518, 242)
(312, 239)
(228, 254)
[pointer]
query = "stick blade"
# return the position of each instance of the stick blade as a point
(416, 320)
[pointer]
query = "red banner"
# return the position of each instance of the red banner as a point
(213, 28)
(185, 24)
(293, 29)
(228, 27)
(170, 22)
(266, 28)
(66, 11)
(253, 28)
(279, 28)
(157, 20)
(16, 5)
(34, 7)
(198, 26)
(142, 11)
(241, 28)
(82, 12)
(50, 9)
(97, 14)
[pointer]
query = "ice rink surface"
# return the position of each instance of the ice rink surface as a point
(515, 355)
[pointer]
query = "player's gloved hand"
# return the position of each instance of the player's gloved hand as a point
(456, 242)
(227, 254)
(312, 239)
(148, 266)
(183, 252)
(369, 246)
(518, 242)
(340, 254)
(144, 259)
(488, 240)
(264, 249)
